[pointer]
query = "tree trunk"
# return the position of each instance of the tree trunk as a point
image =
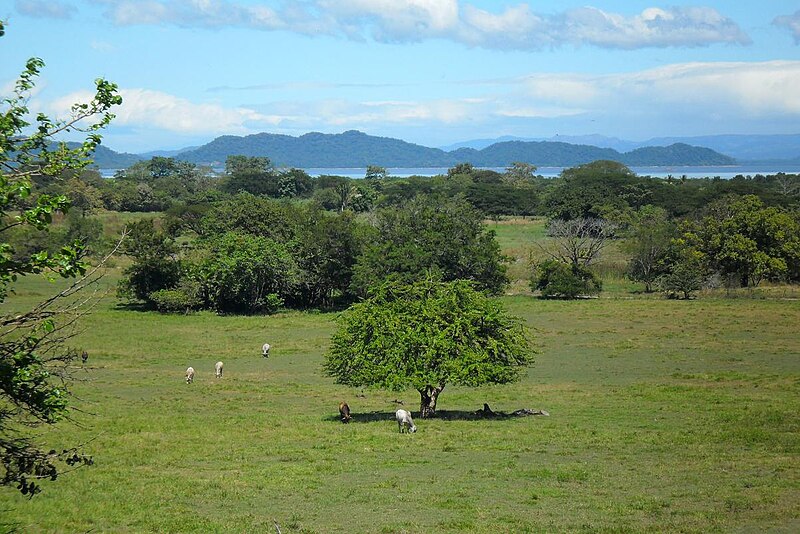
(427, 403)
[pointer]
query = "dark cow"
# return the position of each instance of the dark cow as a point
(344, 412)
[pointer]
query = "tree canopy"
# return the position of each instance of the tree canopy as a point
(432, 234)
(424, 336)
(747, 241)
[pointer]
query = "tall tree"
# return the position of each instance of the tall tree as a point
(35, 359)
(424, 336)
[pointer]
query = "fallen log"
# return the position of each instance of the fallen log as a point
(486, 411)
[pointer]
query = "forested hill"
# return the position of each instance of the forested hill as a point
(357, 149)
(348, 149)
(105, 158)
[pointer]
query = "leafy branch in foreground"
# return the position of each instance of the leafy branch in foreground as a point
(36, 364)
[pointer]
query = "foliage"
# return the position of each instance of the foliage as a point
(648, 244)
(253, 175)
(742, 239)
(248, 248)
(250, 214)
(520, 173)
(502, 198)
(178, 300)
(294, 183)
(154, 185)
(460, 169)
(426, 335)
(556, 279)
(431, 234)
(326, 250)
(585, 191)
(155, 265)
(686, 274)
(246, 274)
(35, 362)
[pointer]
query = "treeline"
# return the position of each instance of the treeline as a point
(256, 238)
(602, 188)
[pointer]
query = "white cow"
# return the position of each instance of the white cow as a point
(189, 375)
(404, 420)
(218, 369)
(265, 350)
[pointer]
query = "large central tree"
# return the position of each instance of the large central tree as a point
(427, 335)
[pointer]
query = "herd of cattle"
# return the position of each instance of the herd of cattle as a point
(404, 420)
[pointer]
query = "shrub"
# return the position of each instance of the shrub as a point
(560, 280)
(183, 299)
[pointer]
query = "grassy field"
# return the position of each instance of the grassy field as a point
(679, 416)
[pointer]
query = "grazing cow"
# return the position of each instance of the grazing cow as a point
(265, 350)
(189, 375)
(404, 420)
(218, 369)
(344, 412)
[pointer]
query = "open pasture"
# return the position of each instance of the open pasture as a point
(665, 416)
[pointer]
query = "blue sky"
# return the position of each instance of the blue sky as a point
(432, 72)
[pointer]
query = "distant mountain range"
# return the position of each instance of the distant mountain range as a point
(355, 149)
(743, 148)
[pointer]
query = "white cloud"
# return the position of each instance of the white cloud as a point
(515, 27)
(756, 89)
(374, 114)
(154, 109)
(191, 13)
(394, 20)
(573, 90)
(45, 9)
(736, 88)
(791, 23)
(677, 26)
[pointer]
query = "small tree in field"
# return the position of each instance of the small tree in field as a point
(427, 335)
(560, 280)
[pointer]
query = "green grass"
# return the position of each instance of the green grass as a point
(115, 221)
(665, 416)
(524, 240)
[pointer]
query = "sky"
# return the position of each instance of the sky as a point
(431, 72)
